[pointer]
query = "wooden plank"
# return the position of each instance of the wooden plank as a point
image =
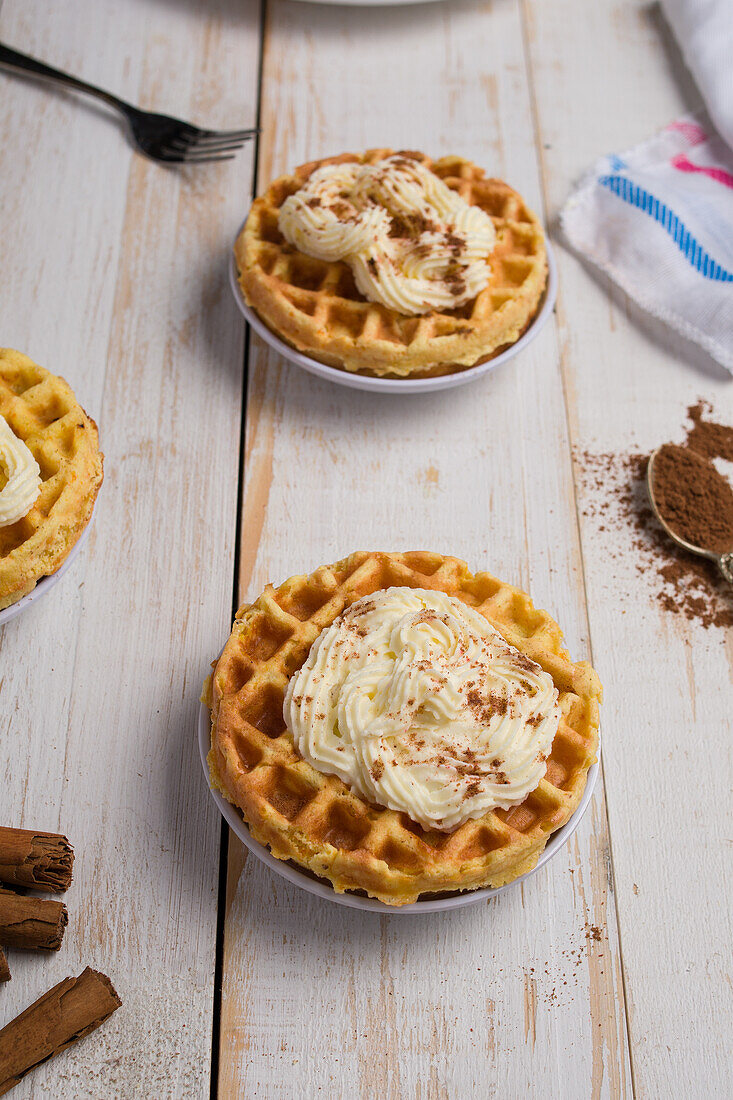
(117, 280)
(515, 997)
(668, 716)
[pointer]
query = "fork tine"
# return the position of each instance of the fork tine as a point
(206, 136)
(225, 143)
(182, 146)
(196, 158)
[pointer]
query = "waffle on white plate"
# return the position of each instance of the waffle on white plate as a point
(320, 823)
(315, 306)
(43, 412)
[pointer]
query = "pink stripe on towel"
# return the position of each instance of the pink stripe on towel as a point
(691, 130)
(718, 174)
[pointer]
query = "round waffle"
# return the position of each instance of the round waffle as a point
(42, 411)
(315, 306)
(319, 822)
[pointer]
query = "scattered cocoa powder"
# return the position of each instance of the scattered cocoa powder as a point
(707, 438)
(694, 500)
(614, 497)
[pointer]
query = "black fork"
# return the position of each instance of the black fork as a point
(160, 137)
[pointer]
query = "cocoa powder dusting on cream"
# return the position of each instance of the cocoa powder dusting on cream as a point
(484, 707)
(525, 663)
(410, 226)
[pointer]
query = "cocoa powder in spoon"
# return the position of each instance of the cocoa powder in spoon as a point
(614, 498)
(694, 500)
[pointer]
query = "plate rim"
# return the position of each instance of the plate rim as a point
(368, 3)
(352, 380)
(45, 584)
(321, 888)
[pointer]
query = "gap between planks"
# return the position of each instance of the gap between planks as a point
(559, 307)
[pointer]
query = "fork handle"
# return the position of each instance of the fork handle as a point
(20, 62)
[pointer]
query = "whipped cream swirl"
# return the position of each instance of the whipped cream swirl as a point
(416, 702)
(23, 484)
(412, 243)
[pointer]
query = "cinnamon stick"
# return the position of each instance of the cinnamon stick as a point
(42, 861)
(4, 968)
(31, 922)
(66, 1013)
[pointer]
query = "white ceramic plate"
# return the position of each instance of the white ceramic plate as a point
(46, 583)
(323, 889)
(399, 385)
(369, 3)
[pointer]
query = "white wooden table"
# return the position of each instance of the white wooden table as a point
(226, 468)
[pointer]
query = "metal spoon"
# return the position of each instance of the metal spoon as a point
(724, 561)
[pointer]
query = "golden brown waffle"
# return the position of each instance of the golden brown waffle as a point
(316, 819)
(42, 411)
(314, 305)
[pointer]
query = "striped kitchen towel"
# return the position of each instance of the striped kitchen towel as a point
(659, 221)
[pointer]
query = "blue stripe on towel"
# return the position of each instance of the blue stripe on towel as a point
(688, 246)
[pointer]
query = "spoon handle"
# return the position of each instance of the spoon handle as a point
(725, 561)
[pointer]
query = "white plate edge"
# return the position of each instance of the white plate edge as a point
(323, 890)
(45, 584)
(352, 380)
